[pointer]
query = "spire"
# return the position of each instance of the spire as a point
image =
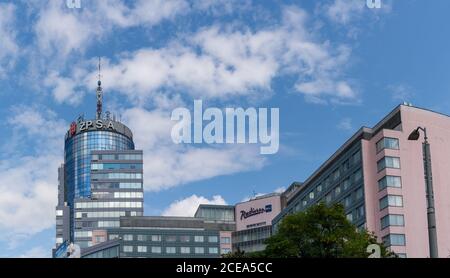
(99, 91)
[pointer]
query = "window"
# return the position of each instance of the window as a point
(349, 217)
(171, 250)
(59, 212)
(359, 193)
(360, 212)
(311, 195)
(304, 202)
(156, 238)
(127, 237)
(185, 250)
(391, 201)
(225, 240)
(401, 255)
(346, 184)
(225, 250)
(99, 239)
(346, 165)
(127, 248)
(185, 238)
(199, 250)
(83, 234)
(348, 201)
(357, 176)
(59, 240)
(171, 238)
(141, 237)
(356, 158)
(387, 143)
(319, 188)
(394, 240)
(388, 162)
(337, 191)
(156, 249)
(392, 220)
(213, 250)
(142, 249)
(389, 181)
(199, 239)
(112, 237)
(336, 174)
(213, 239)
(328, 198)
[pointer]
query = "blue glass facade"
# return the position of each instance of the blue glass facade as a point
(78, 158)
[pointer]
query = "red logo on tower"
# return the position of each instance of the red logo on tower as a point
(73, 128)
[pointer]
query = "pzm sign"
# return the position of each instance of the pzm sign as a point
(253, 211)
(91, 125)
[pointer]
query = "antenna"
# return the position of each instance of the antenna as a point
(99, 91)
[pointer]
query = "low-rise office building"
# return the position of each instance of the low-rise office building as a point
(161, 237)
(254, 222)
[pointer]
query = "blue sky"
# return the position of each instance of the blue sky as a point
(329, 66)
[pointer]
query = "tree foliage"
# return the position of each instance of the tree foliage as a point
(321, 231)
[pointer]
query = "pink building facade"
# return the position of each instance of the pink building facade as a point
(412, 193)
(254, 222)
(378, 175)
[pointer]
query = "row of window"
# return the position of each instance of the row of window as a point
(169, 238)
(169, 250)
(336, 174)
(336, 191)
(115, 166)
(90, 205)
(104, 214)
(83, 233)
(125, 195)
(122, 176)
(128, 195)
(216, 214)
(117, 185)
(108, 224)
(117, 157)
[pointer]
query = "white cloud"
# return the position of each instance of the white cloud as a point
(36, 252)
(167, 164)
(28, 179)
(188, 206)
(345, 124)
(223, 62)
(64, 89)
(8, 45)
(345, 11)
(401, 92)
(60, 30)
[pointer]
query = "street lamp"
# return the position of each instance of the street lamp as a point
(431, 217)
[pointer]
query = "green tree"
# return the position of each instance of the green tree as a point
(320, 232)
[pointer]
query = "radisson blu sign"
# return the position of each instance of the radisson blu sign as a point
(253, 211)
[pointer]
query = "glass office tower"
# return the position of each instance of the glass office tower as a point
(78, 155)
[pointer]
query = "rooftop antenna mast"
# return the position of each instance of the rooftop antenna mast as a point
(99, 92)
